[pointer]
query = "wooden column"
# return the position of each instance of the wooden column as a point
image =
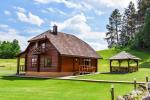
(25, 63)
(137, 65)
(110, 66)
(59, 63)
(128, 65)
(18, 64)
(38, 63)
(119, 65)
(96, 65)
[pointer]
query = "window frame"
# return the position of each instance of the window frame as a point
(87, 62)
(34, 62)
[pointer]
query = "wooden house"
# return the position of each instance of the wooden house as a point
(54, 53)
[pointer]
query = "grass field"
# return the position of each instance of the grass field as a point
(15, 88)
(144, 69)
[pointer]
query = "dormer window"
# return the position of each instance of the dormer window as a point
(43, 45)
(36, 44)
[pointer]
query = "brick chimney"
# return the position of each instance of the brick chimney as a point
(55, 29)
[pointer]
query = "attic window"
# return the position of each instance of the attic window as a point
(43, 45)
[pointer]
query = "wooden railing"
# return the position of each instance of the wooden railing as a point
(86, 69)
(124, 69)
(22, 68)
(38, 50)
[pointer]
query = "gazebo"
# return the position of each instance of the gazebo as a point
(124, 56)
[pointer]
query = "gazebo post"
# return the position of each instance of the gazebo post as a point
(110, 66)
(18, 64)
(119, 65)
(128, 65)
(137, 62)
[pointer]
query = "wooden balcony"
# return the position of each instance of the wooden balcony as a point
(86, 69)
(38, 50)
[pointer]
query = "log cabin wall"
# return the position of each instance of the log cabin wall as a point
(29, 58)
(66, 64)
(71, 64)
(50, 53)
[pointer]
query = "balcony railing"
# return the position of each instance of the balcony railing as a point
(39, 50)
(86, 69)
(124, 69)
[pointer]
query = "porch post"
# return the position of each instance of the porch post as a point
(18, 64)
(137, 65)
(38, 63)
(96, 65)
(128, 65)
(110, 66)
(119, 65)
(25, 62)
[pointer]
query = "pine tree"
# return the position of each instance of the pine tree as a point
(112, 36)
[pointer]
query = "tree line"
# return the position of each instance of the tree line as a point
(9, 49)
(132, 28)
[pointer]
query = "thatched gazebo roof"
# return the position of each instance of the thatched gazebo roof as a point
(124, 56)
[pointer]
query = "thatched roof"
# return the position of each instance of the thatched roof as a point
(124, 56)
(68, 44)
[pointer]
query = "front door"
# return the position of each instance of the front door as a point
(76, 64)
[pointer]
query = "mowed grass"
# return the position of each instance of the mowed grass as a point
(144, 69)
(15, 88)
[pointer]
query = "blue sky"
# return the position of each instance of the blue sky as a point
(87, 19)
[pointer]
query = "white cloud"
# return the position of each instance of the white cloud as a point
(67, 3)
(54, 10)
(20, 9)
(98, 12)
(110, 3)
(78, 24)
(30, 18)
(7, 12)
(8, 34)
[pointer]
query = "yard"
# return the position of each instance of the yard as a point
(144, 67)
(15, 88)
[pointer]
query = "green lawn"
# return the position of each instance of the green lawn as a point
(15, 88)
(144, 69)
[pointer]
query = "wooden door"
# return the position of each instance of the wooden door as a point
(76, 64)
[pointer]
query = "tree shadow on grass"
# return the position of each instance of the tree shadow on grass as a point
(12, 78)
(115, 73)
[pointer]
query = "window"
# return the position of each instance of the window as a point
(43, 45)
(34, 62)
(48, 62)
(87, 62)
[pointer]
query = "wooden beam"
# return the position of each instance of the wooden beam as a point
(137, 65)
(96, 65)
(38, 63)
(18, 65)
(128, 65)
(110, 66)
(59, 62)
(25, 62)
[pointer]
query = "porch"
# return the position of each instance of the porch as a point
(84, 69)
